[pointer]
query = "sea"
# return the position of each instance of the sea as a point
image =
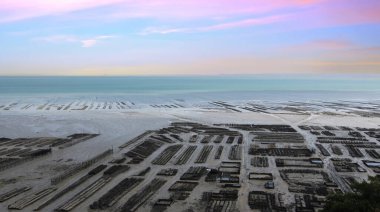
(225, 87)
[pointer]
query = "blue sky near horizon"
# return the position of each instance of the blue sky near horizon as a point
(166, 37)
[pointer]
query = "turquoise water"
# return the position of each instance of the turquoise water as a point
(216, 85)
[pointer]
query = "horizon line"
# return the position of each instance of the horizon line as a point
(199, 75)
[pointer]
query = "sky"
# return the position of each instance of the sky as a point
(188, 37)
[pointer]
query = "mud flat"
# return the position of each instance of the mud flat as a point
(226, 156)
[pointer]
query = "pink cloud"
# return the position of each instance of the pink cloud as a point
(361, 14)
(216, 9)
(341, 12)
(326, 48)
(326, 44)
(14, 10)
(307, 13)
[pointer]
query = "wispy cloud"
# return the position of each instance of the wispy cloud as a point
(93, 41)
(314, 12)
(163, 30)
(85, 42)
(200, 9)
(221, 26)
(15, 10)
(327, 48)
